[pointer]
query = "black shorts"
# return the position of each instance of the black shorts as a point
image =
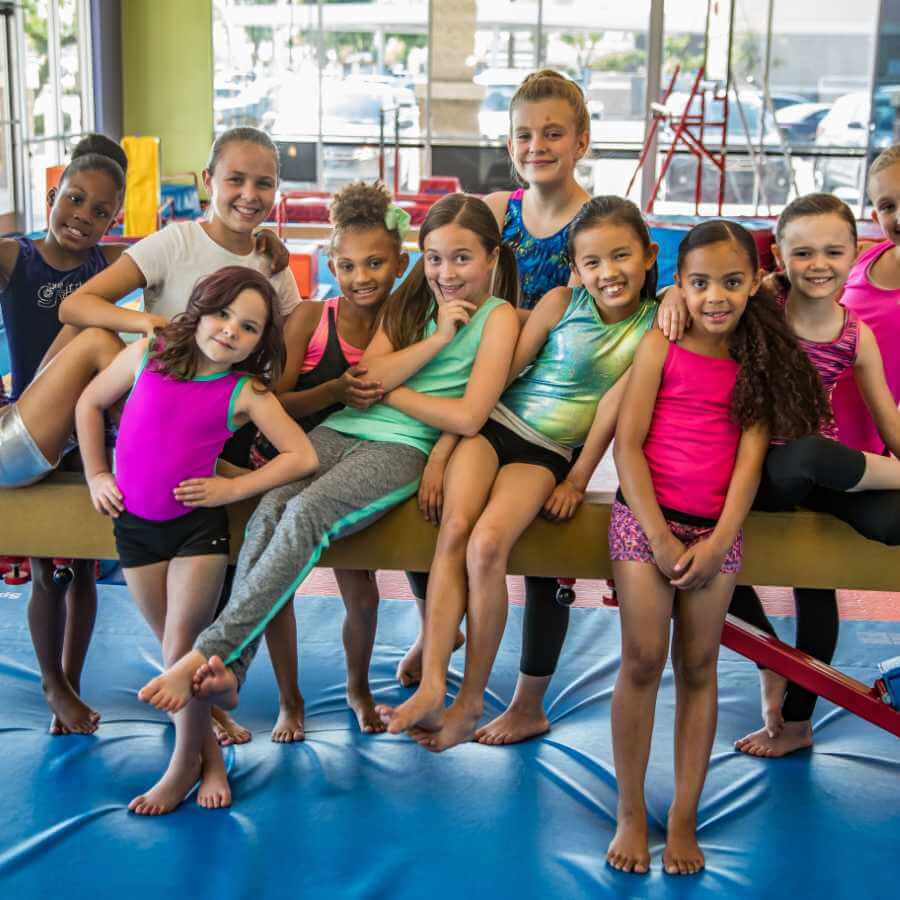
(142, 542)
(511, 448)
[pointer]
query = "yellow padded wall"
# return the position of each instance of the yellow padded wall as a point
(167, 78)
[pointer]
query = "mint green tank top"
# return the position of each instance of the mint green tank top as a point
(444, 376)
(581, 360)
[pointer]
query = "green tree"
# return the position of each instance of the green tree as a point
(585, 44)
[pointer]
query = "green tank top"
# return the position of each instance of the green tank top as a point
(582, 359)
(446, 375)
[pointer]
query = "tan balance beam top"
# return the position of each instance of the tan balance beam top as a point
(55, 518)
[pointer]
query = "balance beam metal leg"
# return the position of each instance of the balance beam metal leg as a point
(810, 673)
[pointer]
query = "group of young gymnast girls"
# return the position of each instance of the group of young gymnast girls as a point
(490, 383)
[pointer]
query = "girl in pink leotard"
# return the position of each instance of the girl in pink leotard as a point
(204, 376)
(873, 293)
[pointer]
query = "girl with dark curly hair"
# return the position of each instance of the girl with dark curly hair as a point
(206, 374)
(691, 438)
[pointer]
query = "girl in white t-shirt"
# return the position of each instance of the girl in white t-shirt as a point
(241, 179)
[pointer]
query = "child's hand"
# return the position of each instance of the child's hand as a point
(452, 315)
(698, 565)
(673, 315)
(105, 494)
(563, 502)
(215, 491)
(153, 323)
(431, 491)
(269, 244)
(353, 390)
(667, 552)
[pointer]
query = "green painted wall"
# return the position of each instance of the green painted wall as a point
(167, 78)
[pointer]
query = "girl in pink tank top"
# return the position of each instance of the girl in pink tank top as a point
(191, 387)
(325, 342)
(873, 293)
(692, 433)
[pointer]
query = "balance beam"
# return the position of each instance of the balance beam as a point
(55, 518)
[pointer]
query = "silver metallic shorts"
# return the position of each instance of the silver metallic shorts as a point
(21, 461)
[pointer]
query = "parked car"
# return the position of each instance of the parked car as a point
(847, 125)
(352, 112)
(740, 172)
(799, 122)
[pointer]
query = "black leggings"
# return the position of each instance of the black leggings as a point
(817, 472)
(543, 629)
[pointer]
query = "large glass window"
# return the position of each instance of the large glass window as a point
(403, 88)
(56, 92)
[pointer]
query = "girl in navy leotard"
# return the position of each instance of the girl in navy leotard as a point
(35, 276)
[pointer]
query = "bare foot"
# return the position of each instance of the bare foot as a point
(771, 688)
(793, 736)
(457, 727)
(424, 709)
(71, 715)
(363, 706)
(682, 855)
(214, 791)
(215, 682)
(409, 672)
(227, 731)
(629, 851)
(514, 725)
(289, 727)
(169, 791)
(172, 690)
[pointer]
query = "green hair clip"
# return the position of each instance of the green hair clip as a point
(396, 219)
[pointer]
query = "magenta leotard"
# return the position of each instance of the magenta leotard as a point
(171, 430)
(879, 308)
(692, 441)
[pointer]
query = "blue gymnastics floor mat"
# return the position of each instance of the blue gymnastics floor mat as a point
(348, 816)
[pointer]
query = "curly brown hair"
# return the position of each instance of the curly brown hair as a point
(777, 385)
(175, 350)
(361, 206)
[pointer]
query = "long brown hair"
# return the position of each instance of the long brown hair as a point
(175, 350)
(777, 385)
(408, 309)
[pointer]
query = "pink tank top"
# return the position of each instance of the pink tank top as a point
(880, 310)
(315, 349)
(171, 430)
(692, 442)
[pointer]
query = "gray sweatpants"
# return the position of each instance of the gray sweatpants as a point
(357, 482)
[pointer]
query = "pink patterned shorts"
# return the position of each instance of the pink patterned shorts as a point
(628, 543)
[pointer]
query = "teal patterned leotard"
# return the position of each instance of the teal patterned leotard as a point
(543, 262)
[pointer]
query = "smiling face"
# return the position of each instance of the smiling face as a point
(366, 263)
(229, 335)
(817, 253)
(242, 186)
(884, 191)
(544, 142)
(717, 281)
(84, 206)
(457, 266)
(612, 262)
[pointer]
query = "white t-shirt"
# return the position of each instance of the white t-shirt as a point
(174, 258)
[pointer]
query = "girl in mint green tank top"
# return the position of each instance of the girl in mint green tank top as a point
(442, 355)
(570, 361)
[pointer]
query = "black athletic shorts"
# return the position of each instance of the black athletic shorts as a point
(142, 542)
(511, 448)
